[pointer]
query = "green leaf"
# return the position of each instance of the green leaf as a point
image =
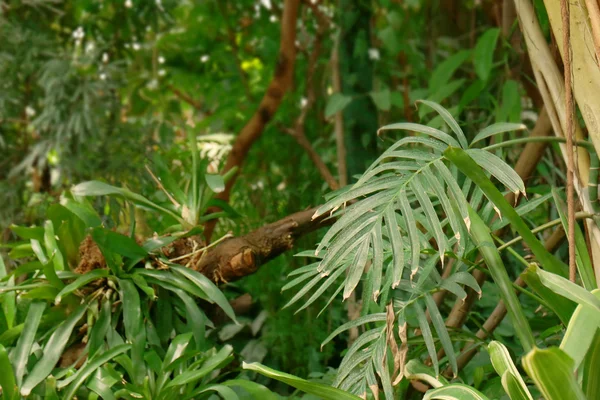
(8, 299)
(214, 362)
(317, 389)
(393, 231)
(256, 390)
(483, 55)
(510, 109)
(224, 392)
(438, 323)
(382, 99)
(169, 279)
(357, 269)
(85, 212)
(444, 71)
(81, 281)
(336, 103)
(91, 366)
(561, 306)
(582, 327)
(52, 351)
(454, 391)
(23, 349)
(470, 168)
(34, 232)
(96, 188)
(215, 182)
(52, 247)
(504, 366)
(51, 389)
(495, 129)
(100, 328)
(414, 370)
(591, 369)
(552, 371)
(499, 169)
(207, 286)
(7, 376)
(134, 328)
(449, 120)
(379, 317)
(480, 233)
(568, 289)
(409, 126)
(119, 244)
(427, 336)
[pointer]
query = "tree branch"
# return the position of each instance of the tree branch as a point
(280, 84)
(186, 97)
(298, 132)
(235, 258)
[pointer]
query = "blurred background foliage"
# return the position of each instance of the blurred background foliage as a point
(93, 89)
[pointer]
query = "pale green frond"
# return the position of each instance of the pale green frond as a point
(360, 260)
(440, 327)
(395, 238)
(427, 336)
(497, 128)
(427, 130)
(447, 117)
(499, 169)
(415, 245)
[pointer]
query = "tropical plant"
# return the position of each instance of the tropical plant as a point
(428, 199)
(104, 308)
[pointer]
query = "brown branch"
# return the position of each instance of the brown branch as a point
(299, 132)
(280, 84)
(237, 257)
(339, 117)
(569, 133)
(186, 97)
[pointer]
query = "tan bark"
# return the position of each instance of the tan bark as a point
(237, 257)
(551, 85)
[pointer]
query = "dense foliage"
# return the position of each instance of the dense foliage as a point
(159, 164)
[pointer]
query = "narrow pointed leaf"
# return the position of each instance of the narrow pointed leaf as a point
(427, 336)
(455, 391)
(440, 327)
(552, 371)
(23, 349)
(497, 128)
(504, 365)
(93, 365)
(52, 351)
(318, 389)
(448, 119)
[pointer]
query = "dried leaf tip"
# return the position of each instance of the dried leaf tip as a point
(376, 294)
(467, 221)
(498, 212)
(315, 215)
